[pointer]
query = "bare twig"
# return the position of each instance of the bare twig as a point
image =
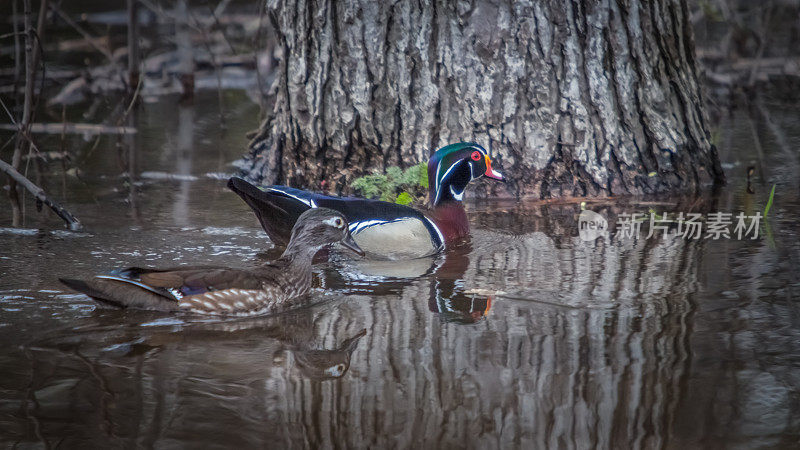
(184, 44)
(133, 44)
(40, 30)
(214, 15)
(17, 50)
(30, 73)
(759, 149)
(262, 104)
(89, 39)
(217, 69)
(762, 45)
(780, 137)
(72, 222)
(27, 112)
(17, 127)
(220, 8)
(131, 104)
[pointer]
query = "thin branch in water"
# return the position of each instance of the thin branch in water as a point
(41, 197)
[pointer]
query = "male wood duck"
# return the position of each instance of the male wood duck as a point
(385, 229)
(219, 290)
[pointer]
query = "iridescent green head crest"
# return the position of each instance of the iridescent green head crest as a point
(452, 167)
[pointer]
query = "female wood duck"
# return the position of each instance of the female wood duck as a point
(385, 229)
(219, 290)
(326, 364)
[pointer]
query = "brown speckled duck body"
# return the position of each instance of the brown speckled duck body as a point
(226, 291)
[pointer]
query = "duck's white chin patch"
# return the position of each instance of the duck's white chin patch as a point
(457, 195)
(491, 173)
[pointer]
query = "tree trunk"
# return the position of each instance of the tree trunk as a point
(575, 98)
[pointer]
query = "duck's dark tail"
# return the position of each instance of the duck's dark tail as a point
(120, 292)
(82, 287)
(277, 207)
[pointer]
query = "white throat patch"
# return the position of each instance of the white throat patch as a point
(456, 195)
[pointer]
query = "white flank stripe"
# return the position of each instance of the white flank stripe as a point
(305, 202)
(441, 237)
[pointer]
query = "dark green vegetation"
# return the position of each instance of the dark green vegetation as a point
(395, 185)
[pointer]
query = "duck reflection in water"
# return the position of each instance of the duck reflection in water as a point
(326, 364)
(448, 296)
(293, 331)
(455, 306)
(448, 299)
(290, 334)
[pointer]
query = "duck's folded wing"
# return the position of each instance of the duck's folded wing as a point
(201, 289)
(141, 288)
(219, 291)
(193, 281)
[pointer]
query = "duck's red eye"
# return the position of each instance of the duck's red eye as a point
(476, 155)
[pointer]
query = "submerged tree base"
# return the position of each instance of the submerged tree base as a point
(573, 98)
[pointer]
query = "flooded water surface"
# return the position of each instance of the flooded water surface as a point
(525, 336)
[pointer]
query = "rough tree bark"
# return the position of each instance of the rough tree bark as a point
(575, 98)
